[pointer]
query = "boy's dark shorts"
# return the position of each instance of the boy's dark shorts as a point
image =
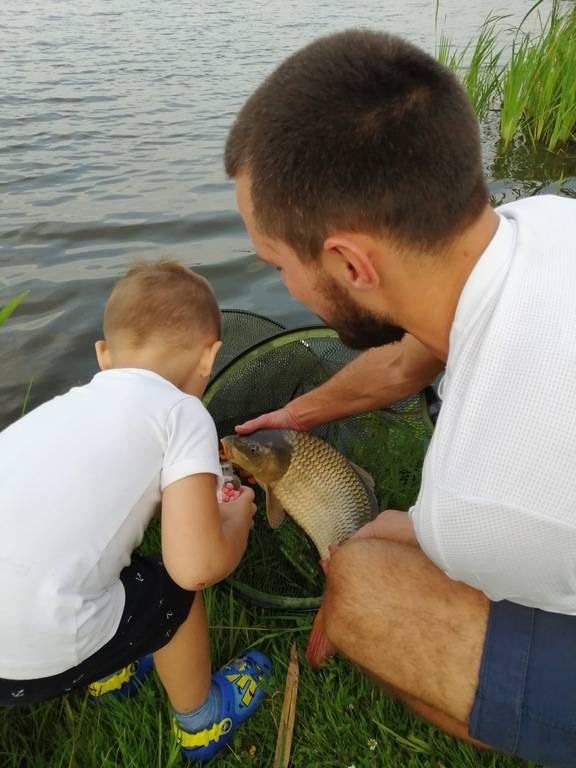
(526, 698)
(154, 609)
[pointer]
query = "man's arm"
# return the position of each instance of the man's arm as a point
(203, 541)
(373, 380)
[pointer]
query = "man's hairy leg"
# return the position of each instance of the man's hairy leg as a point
(441, 720)
(389, 609)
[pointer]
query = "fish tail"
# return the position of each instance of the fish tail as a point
(319, 648)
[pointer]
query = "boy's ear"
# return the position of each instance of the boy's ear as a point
(208, 357)
(103, 355)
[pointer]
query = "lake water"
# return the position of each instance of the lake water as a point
(113, 118)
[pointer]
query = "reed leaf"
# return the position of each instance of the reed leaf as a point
(482, 77)
(449, 55)
(515, 91)
(9, 308)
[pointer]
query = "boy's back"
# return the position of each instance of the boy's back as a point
(98, 458)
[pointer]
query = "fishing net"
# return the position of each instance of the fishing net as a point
(280, 568)
(240, 330)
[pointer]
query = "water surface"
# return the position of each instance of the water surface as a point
(113, 117)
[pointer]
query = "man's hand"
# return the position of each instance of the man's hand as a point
(283, 418)
(392, 525)
(372, 380)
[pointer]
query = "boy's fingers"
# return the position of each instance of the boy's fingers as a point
(248, 492)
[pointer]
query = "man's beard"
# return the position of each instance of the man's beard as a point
(357, 328)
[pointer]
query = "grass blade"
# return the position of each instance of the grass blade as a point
(9, 308)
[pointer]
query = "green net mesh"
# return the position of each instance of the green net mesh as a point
(240, 330)
(280, 568)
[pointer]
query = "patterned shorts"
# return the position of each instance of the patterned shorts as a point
(154, 609)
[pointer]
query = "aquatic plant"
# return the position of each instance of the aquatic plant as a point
(535, 90)
(478, 67)
(9, 308)
(539, 87)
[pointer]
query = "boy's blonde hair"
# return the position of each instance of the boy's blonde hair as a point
(163, 299)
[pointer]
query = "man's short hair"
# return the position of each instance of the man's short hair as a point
(360, 131)
(163, 300)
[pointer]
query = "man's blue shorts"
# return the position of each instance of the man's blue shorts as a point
(526, 698)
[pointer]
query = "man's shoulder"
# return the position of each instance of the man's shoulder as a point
(552, 213)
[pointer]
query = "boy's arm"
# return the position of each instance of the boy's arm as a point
(203, 541)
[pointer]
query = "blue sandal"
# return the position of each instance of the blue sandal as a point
(242, 684)
(123, 683)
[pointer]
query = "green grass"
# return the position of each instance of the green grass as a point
(342, 719)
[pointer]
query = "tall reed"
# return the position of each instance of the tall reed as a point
(478, 67)
(535, 90)
(539, 88)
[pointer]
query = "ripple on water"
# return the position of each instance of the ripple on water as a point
(112, 126)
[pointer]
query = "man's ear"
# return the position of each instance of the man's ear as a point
(347, 258)
(103, 355)
(208, 357)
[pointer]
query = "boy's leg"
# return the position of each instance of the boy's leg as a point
(207, 708)
(183, 665)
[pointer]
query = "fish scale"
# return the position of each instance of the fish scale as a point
(322, 492)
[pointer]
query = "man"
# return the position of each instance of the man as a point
(359, 176)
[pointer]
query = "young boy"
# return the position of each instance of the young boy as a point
(80, 478)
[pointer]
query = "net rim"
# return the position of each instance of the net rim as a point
(255, 350)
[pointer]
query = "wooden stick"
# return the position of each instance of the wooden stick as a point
(286, 728)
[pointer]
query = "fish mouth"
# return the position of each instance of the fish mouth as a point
(226, 447)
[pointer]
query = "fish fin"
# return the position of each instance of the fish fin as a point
(274, 510)
(365, 476)
(319, 648)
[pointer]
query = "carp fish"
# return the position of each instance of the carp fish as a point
(329, 497)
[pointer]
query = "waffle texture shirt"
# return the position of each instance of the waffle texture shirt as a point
(497, 503)
(80, 478)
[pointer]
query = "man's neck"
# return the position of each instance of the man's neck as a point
(429, 303)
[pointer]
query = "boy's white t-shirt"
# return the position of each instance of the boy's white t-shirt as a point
(81, 477)
(497, 504)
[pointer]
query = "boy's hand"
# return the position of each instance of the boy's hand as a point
(203, 541)
(243, 505)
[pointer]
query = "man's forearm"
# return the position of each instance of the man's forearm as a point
(375, 379)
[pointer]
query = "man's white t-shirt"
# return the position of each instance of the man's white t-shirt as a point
(80, 480)
(497, 504)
